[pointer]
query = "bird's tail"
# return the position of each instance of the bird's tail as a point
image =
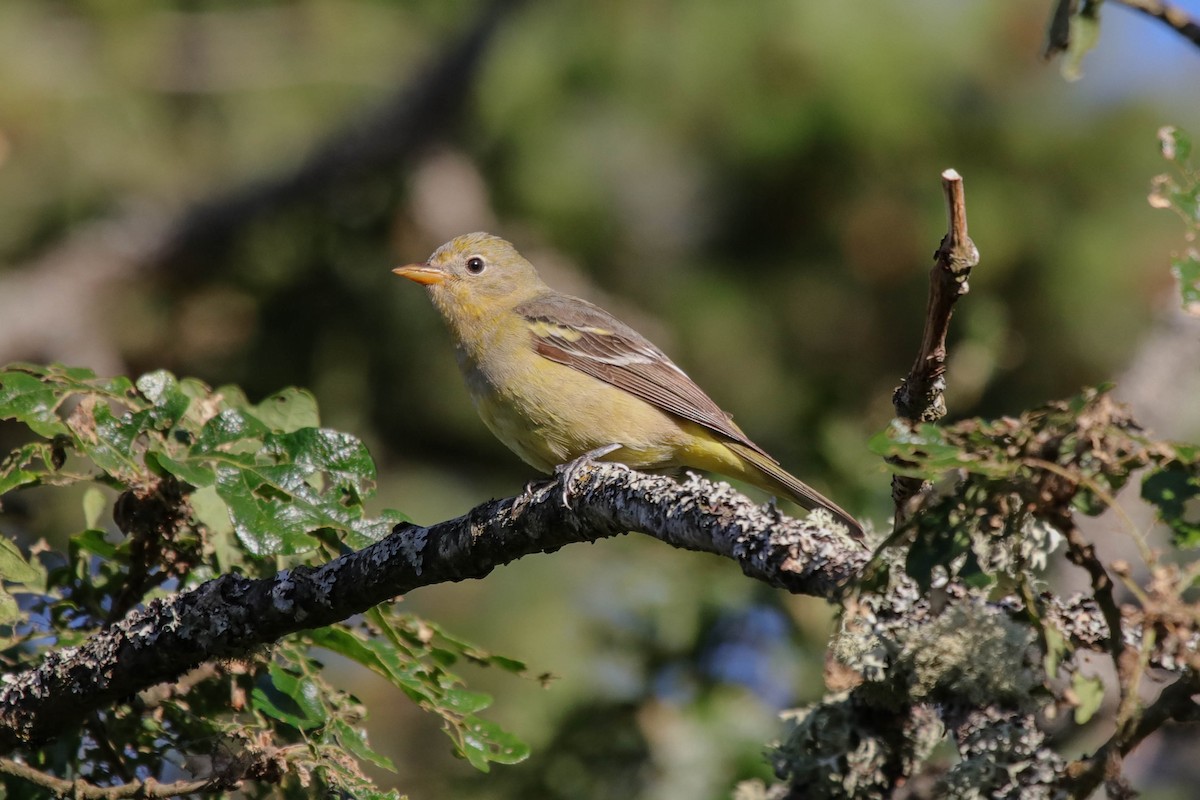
(765, 473)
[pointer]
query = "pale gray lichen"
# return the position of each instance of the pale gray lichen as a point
(323, 584)
(281, 593)
(1004, 755)
(844, 748)
(757, 790)
(1013, 552)
(960, 648)
(973, 653)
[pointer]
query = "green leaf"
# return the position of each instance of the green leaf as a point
(13, 566)
(169, 402)
(28, 399)
(291, 699)
(1085, 34)
(485, 741)
(1056, 648)
(507, 664)
(210, 510)
(10, 612)
(288, 410)
(1175, 491)
(26, 465)
(464, 701)
(924, 450)
(93, 541)
(384, 658)
(110, 441)
(266, 519)
(1186, 269)
(1089, 696)
(94, 503)
(196, 472)
(1175, 144)
(318, 480)
(231, 432)
(355, 740)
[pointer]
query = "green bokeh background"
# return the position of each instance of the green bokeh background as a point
(754, 185)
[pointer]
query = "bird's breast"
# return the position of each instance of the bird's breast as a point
(549, 414)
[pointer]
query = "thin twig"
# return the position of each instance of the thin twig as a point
(921, 396)
(1104, 496)
(1174, 703)
(1175, 18)
(149, 789)
(1081, 553)
(1058, 32)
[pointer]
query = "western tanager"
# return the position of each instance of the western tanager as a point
(555, 377)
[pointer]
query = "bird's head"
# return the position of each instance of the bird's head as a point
(475, 274)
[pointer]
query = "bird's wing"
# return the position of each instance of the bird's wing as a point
(585, 337)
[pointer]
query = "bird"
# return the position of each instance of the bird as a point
(558, 379)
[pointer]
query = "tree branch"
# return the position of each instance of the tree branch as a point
(149, 789)
(1082, 553)
(1176, 702)
(921, 396)
(142, 238)
(1175, 18)
(230, 616)
(380, 140)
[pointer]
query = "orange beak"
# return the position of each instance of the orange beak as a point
(421, 273)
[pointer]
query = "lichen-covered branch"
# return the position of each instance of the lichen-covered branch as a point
(232, 615)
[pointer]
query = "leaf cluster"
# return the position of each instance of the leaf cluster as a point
(1001, 488)
(200, 482)
(1180, 192)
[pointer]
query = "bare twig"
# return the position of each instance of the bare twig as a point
(1174, 703)
(148, 789)
(1082, 553)
(231, 615)
(1058, 32)
(1175, 18)
(921, 396)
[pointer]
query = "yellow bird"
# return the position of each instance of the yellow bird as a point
(556, 378)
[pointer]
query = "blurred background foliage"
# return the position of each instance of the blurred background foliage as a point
(755, 186)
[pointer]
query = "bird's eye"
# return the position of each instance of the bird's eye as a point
(475, 265)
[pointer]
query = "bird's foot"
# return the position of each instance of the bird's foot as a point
(535, 485)
(569, 471)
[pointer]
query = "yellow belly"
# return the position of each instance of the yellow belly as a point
(557, 414)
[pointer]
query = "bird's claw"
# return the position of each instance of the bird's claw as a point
(532, 486)
(569, 471)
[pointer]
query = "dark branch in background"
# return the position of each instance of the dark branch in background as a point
(382, 140)
(1175, 18)
(921, 396)
(1058, 32)
(68, 277)
(231, 616)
